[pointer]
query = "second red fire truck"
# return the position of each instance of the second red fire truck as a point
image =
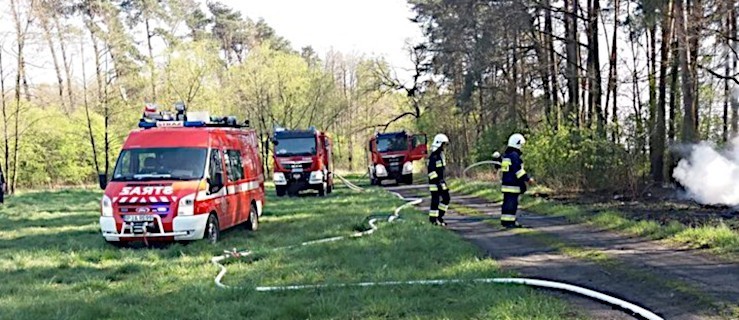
(303, 160)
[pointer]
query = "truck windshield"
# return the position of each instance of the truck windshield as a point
(295, 146)
(392, 143)
(160, 164)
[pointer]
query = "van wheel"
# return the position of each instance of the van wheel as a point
(408, 179)
(280, 190)
(322, 190)
(212, 230)
(253, 222)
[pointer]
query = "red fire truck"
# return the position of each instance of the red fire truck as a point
(187, 176)
(391, 156)
(303, 160)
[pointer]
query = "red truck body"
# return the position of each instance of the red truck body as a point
(391, 156)
(303, 160)
(180, 180)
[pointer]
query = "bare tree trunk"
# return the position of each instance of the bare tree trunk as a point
(693, 29)
(612, 73)
(50, 42)
(87, 110)
(734, 98)
(594, 76)
(689, 119)
(572, 74)
(552, 65)
(149, 35)
(6, 137)
(21, 33)
(727, 74)
(65, 61)
(657, 141)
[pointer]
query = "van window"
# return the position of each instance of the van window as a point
(216, 165)
(233, 163)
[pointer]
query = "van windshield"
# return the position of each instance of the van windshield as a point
(392, 143)
(295, 146)
(160, 164)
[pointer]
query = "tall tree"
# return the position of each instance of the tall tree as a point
(573, 62)
(22, 21)
(689, 124)
(657, 141)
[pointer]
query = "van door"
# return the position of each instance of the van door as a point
(215, 191)
(238, 202)
(419, 149)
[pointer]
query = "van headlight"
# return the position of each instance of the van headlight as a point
(279, 178)
(186, 205)
(380, 171)
(106, 206)
(316, 177)
(408, 168)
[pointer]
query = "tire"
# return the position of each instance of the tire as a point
(330, 188)
(281, 191)
(117, 244)
(408, 179)
(253, 222)
(212, 230)
(322, 190)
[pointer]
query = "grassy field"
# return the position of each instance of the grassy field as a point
(720, 239)
(55, 265)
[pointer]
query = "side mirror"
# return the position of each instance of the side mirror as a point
(102, 181)
(274, 141)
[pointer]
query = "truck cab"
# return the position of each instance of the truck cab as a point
(183, 179)
(391, 156)
(303, 160)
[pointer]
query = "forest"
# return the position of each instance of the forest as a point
(611, 94)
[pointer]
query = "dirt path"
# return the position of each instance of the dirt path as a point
(677, 284)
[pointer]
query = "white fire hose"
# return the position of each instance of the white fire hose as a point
(234, 254)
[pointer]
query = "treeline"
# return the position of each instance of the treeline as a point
(100, 61)
(537, 66)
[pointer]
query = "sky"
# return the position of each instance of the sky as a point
(370, 27)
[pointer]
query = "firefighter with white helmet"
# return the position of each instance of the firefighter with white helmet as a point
(439, 190)
(514, 180)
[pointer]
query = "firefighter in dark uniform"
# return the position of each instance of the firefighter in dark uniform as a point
(514, 180)
(437, 185)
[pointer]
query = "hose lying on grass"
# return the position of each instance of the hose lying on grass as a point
(234, 254)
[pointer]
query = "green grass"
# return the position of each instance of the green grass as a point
(55, 265)
(721, 240)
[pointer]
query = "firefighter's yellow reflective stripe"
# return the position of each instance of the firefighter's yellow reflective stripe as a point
(443, 207)
(433, 213)
(505, 164)
(444, 187)
(510, 189)
(433, 175)
(439, 164)
(433, 188)
(520, 173)
(507, 217)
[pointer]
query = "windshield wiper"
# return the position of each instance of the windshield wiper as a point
(152, 176)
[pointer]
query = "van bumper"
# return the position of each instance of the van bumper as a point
(183, 228)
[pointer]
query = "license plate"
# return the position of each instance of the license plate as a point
(138, 218)
(297, 169)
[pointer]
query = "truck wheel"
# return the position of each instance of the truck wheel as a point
(253, 222)
(212, 230)
(322, 190)
(281, 191)
(408, 179)
(329, 188)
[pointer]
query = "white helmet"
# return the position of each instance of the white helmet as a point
(439, 139)
(516, 141)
